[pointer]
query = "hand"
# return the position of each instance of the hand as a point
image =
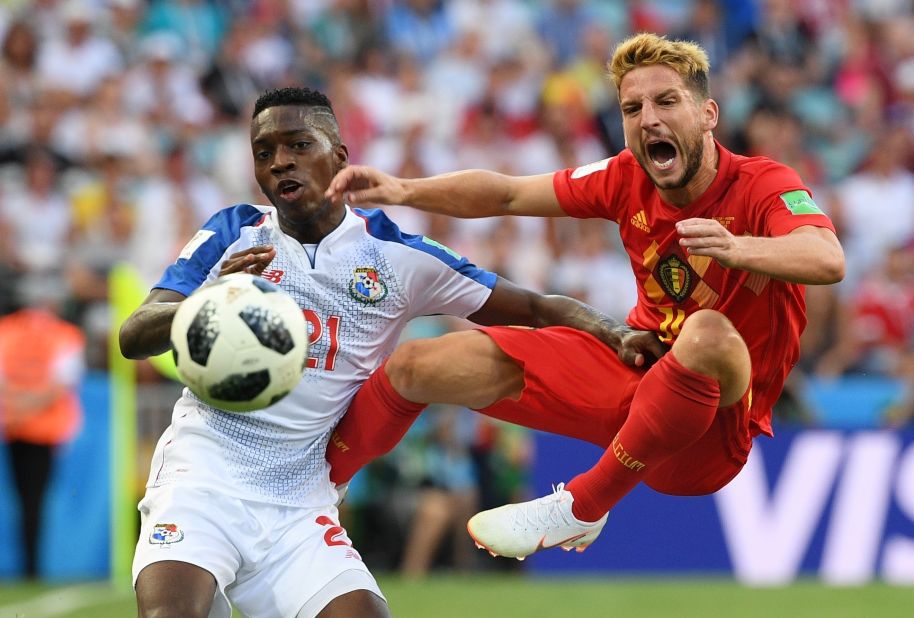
(253, 261)
(639, 348)
(359, 183)
(709, 237)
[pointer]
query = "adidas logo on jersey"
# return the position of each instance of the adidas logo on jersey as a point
(639, 220)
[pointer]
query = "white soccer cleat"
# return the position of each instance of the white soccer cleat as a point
(518, 530)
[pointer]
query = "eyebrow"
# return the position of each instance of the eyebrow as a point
(659, 95)
(282, 134)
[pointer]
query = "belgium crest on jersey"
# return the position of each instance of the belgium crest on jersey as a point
(367, 286)
(675, 276)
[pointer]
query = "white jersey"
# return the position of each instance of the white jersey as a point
(366, 280)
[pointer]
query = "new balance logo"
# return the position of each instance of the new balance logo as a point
(273, 276)
(639, 220)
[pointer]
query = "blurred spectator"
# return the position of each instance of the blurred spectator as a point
(419, 28)
(345, 29)
(73, 65)
(447, 495)
(35, 215)
(228, 84)
(165, 90)
(866, 231)
(198, 24)
(17, 64)
(878, 330)
(41, 365)
(561, 26)
(85, 133)
(170, 206)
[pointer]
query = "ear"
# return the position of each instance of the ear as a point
(341, 156)
(709, 115)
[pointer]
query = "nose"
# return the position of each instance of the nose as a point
(649, 115)
(283, 160)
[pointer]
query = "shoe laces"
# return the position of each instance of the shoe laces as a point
(545, 512)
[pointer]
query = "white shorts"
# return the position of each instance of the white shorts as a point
(268, 560)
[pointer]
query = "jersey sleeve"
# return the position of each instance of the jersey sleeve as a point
(205, 250)
(590, 191)
(438, 280)
(783, 203)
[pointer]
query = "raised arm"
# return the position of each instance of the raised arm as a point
(808, 254)
(510, 304)
(466, 194)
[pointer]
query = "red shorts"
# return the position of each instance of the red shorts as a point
(576, 386)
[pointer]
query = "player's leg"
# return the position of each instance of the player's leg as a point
(186, 553)
(674, 405)
(465, 368)
(172, 588)
(306, 566)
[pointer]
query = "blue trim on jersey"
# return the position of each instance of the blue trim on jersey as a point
(381, 227)
(187, 274)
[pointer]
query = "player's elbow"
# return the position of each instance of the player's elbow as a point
(833, 267)
(129, 342)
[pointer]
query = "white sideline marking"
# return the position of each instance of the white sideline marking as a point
(59, 601)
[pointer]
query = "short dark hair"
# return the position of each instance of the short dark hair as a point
(306, 97)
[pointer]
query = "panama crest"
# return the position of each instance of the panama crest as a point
(367, 286)
(165, 534)
(676, 277)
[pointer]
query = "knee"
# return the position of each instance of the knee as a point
(710, 344)
(410, 366)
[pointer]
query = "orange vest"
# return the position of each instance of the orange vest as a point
(32, 342)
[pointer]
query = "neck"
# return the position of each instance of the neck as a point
(314, 228)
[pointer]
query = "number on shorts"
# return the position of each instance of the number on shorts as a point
(333, 533)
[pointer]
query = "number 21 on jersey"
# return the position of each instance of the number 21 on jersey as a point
(332, 328)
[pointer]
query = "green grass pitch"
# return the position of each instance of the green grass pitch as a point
(498, 596)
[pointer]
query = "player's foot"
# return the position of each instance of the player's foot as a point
(341, 490)
(518, 530)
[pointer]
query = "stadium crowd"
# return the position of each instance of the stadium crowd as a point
(124, 126)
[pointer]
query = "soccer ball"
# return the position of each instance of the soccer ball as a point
(240, 343)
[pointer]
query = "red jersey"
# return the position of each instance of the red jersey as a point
(749, 195)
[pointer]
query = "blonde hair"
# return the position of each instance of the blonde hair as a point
(645, 49)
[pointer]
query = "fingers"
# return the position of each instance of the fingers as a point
(253, 260)
(358, 184)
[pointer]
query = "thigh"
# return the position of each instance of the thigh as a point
(713, 461)
(574, 385)
(303, 564)
(174, 588)
(186, 539)
(465, 368)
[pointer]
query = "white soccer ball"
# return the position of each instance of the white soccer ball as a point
(240, 343)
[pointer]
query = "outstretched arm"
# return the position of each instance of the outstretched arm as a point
(510, 304)
(466, 194)
(808, 254)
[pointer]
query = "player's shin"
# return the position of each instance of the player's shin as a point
(376, 420)
(672, 408)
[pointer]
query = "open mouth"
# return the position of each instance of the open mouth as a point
(289, 189)
(661, 153)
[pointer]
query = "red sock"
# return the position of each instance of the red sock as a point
(376, 420)
(672, 408)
